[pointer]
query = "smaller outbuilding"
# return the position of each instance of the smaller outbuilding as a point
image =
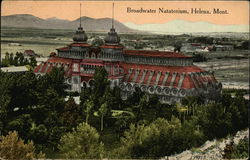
(30, 53)
(14, 69)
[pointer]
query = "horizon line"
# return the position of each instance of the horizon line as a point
(131, 21)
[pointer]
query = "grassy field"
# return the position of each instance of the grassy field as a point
(42, 42)
(232, 73)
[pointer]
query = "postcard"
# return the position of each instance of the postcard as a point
(124, 79)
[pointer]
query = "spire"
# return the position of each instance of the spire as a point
(80, 35)
(80, 15)
(113, 15)
(112, 38)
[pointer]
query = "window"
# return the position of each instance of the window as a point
(75, 67)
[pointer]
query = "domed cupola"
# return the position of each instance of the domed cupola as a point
(80, 36)
(112, 38)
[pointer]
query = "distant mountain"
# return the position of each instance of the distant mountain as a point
(100, 24)
(89, 24)
(181, 26)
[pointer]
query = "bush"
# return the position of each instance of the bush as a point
(199, 58)
(12, 147)
(241, 150)
(160, 138)
(83, 142)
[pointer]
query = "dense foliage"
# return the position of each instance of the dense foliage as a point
(198, 57)
(33, 106)
(139, 127)
(12, 147)
(241, 150)
(18, 60)
(83, 142)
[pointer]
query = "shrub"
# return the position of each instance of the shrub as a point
(83, 142)
(12, 147)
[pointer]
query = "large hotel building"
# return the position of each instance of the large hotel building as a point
(170, 75)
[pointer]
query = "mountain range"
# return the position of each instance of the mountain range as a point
(181, 26)
(89, 24)
(104, 24)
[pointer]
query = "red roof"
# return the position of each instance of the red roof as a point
(161, 78)
(187, 83)
(29, 52)
(50, 67)
(150, 53)
(153, 79)
(56, 59)
(162, 68)
(167, 83)
(195, 44)
(145, 78)
(177, 79)
(63, 49)
(139, 77)
(80, 45)
(47, 66)
(111, 46)
(52, 54)
(43, 67)
(37, 68)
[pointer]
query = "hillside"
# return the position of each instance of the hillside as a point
(89, 24)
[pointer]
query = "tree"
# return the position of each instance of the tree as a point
(5, 63)
(56, 80)
(159, 138)
(132, 137)
(85, 94)
(22, 124)
(33, 106)
(6, 60)
(199, 57)
(71, 114)
(39, 134)
(11, 59)
(177, 47)
(25, 62)
(123, 119)
(241, 150)
(134, 99)
(97, 42)
(215, 122)
(16, 59)
(22, 91)
(88, 109)
(101, 82)
(245, 45)
(12, 147)
(102, 112)
(83, 142)
(33, 61)
(140, 109)
(21, 59)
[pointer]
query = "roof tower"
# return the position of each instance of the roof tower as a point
(112, 38)
(80, 35)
